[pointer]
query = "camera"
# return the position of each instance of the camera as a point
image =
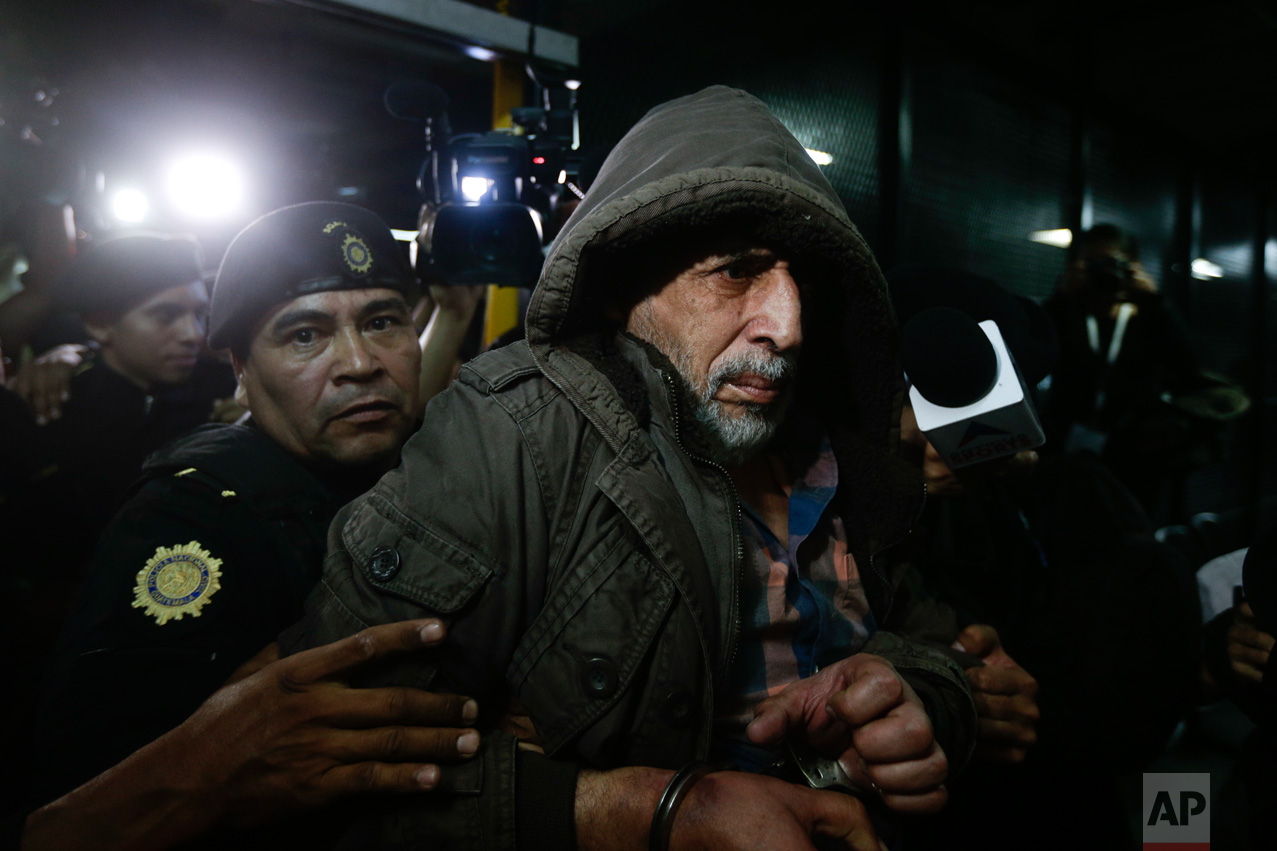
(1108, 274)
(489, 196)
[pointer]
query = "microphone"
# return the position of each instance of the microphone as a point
(416, 100)
(967, 393)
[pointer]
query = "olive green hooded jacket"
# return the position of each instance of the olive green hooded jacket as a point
(557, 509)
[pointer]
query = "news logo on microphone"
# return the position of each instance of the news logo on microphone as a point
(967, 395)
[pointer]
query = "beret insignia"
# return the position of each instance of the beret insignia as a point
(177, 581)
(357, 255)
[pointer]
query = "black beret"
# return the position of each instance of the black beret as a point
(1025, 326)
(122, 272)
(299, 250)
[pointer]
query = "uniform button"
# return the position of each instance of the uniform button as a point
(600, 677)
(677, 709)
(384, 564)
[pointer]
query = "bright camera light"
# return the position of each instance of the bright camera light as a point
(206, 186)
(130, 205)
(820, 157)
(403, 235)
(480, 53)
(1204, 270)
(475, 188)
(1060, 237)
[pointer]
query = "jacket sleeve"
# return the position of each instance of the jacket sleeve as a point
(916, 638)
(941, 685)
(458, 531)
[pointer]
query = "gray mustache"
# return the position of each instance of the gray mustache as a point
(778, 368)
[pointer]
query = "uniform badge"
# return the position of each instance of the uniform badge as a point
(357, 255)
(177, 581)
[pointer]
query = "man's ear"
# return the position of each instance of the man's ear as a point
(241, 392)
(99, 328)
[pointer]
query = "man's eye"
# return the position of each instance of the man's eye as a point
(304, 336)
(382, 323)
(742, 268)
(739, 270)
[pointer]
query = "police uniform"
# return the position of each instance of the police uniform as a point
(82, 463)
(95, 450)
(202, 568)
(216, 550)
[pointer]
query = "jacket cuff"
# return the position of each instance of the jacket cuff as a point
(942, 687)
(545, 808)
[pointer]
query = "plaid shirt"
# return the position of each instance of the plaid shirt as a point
(802, 607)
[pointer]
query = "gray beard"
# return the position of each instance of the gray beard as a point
(734, 437)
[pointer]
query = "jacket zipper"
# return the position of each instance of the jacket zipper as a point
(738, 545)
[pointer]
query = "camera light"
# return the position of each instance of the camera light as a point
(205, 186)
(475, 188)
(1060, 237)
(480, 53)
(538, 160)
(404, 235)
(130, 205)
(820, 157)
(1204, 270)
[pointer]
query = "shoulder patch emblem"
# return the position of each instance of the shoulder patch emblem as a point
(177, 581)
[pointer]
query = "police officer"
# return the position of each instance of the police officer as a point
(214, 554)
(142, 300)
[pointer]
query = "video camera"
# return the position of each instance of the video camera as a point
(488, 196)
(1109, 274)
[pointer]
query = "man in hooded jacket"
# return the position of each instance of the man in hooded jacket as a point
(609, 517)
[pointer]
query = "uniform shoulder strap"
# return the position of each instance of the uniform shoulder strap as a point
(239, 461)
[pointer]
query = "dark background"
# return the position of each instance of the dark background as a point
(956, 128)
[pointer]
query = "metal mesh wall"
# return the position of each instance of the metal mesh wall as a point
(1219, 325)
(988, 166)
(826, 93)
(1133, 185)
(1220, 307)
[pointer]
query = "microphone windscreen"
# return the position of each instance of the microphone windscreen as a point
(948, 358)
(415, 100)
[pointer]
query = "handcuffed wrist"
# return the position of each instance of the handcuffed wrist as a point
(671, 798)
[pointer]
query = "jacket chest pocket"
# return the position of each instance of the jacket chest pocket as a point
(584, 652)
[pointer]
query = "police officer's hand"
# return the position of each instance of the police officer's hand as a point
(293, 735)
(861, 712)
(1248, 646)
(45, 383)
(1005, 697)
(285, 735)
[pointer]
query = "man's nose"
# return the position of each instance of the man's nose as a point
(355, 359)
(190, 329)
(777, 311)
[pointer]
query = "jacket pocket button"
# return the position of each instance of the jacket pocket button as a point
(600, 678)
(677, 711)
(384, 564)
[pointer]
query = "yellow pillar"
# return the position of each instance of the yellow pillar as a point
(502, 310)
